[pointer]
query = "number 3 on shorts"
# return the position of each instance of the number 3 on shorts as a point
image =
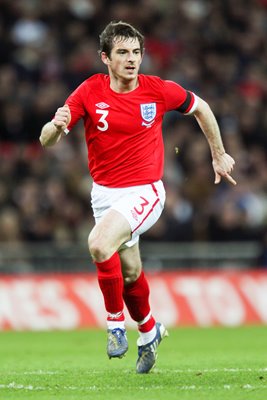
(141, 206)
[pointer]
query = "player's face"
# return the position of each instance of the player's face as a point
(125, 59)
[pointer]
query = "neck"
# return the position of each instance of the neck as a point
(123, 86)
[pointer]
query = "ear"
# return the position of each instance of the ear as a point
(105, 58)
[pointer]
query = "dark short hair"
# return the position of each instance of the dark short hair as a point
(118, 30)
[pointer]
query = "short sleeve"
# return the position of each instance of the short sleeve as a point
(179, 99)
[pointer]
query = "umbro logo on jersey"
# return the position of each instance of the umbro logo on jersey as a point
(102, 105)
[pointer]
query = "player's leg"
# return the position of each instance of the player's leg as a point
(108, 234)
(136, 297)
(136, 291)
(121, 215)
(104, 240)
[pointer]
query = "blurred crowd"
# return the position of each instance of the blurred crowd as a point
(216, 48)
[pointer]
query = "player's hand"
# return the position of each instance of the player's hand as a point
(223, 166)
(62, 118)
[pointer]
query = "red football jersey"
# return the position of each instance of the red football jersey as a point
(123, 131)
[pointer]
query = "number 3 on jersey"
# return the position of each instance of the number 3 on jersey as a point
(102, 122)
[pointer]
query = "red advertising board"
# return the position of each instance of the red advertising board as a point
(72, 301)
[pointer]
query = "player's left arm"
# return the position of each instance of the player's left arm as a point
(222, 162)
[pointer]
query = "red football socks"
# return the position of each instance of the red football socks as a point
(135, 295)
(136, 298)
(111, 284)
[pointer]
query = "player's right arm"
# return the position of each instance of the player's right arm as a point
(53, 131)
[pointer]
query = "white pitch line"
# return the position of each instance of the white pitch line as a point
(38, 372)
(18, 386)
(96, 372)
(43, 372)
(156, 371)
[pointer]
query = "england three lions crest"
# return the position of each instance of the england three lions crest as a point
(148, 113)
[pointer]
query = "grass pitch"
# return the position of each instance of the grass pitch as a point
(193, 363)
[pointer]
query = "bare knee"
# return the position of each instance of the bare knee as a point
(107, 236)
(131, 275)
(131, 263)
(98, 249)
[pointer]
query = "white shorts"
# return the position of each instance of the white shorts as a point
(140, 205)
